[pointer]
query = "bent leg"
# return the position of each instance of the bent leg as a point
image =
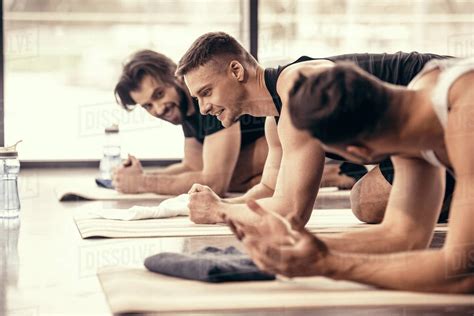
(369, 197)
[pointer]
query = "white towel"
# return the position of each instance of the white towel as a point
(173, 207)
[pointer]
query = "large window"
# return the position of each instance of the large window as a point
(63, 57)
(62, 60)
(291, 28)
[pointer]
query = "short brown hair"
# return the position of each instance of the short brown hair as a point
(140, 64)
(210, 45)
(341, 105)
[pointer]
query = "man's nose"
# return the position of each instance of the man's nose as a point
(206, 108)
(159, 109)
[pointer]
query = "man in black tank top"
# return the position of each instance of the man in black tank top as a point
(226, 159)
(370, 194)
(425, 128)
(228, 82)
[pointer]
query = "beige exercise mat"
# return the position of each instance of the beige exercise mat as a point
(324, 220)
(137, 290)
(94, 193)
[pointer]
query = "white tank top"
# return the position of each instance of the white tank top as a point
(451, 70)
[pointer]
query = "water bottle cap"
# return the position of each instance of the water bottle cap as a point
(112, 129)
(10, 151)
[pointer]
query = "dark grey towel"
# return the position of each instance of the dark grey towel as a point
(209, 264)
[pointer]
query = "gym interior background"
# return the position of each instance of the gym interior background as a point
(62, 57)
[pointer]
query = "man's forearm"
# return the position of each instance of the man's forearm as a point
(178, 184)
(257, 192)
(242, 213)
(374, 239)
(400, 271)
(176, 168)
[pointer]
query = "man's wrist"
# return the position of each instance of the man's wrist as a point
(324, 266)
(220, 209)
(335, 265)
(146, 183)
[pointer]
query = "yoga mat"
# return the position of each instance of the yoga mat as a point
(94, 193)
(136, 290)
(322, 220)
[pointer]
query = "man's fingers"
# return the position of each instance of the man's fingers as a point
(254, 249)
(237, 232)
(198, 188)
(255, 207)
(126, 163)
(134, 161)
(247, 230)
(194, 188)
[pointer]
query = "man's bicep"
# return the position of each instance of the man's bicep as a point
(193, 154)
(301, 169)
(221, 152)
(272, 163)
(461, 152)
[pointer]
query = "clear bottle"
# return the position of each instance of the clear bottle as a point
(111, 158)
(9, 171)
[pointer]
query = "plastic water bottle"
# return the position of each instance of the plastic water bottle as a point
(111, 158)
(9, 170)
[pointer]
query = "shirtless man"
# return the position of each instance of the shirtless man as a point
(228, 82)
(230, 159)
(425, 128)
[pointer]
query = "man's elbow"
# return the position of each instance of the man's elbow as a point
(299, 217)
(465, 285)
(415, 241)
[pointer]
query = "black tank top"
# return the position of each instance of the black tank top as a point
(399, 68)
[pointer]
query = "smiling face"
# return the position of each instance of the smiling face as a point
(219, 90)
(160, 100)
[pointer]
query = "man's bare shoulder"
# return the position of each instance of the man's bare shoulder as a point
(425, 81)
(289, 75)
(461, 94)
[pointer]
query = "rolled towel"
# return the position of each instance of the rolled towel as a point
(177, 206)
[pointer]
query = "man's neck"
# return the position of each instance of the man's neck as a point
(259, 101)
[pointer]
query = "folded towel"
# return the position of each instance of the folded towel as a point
(210, 265)
(173, 207)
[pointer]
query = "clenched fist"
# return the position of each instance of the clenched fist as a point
(129, 178)
(204, 205)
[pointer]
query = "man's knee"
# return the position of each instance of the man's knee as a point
(364, 206)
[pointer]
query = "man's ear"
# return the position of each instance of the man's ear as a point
(360, 151)
(237, 70)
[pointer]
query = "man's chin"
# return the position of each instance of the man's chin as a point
(226, 123)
